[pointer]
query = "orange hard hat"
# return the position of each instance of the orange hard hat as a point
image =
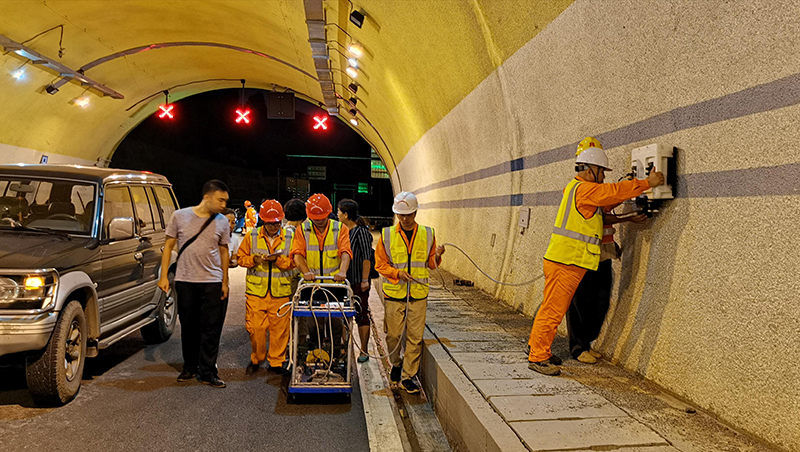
(318, 207)
(247, 204)
(271, 211)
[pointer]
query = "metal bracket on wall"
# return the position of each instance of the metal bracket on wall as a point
(67, 74)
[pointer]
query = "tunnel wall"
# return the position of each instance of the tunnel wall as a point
(16, 154)
(705, 296)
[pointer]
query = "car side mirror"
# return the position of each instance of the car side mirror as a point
(120, 228)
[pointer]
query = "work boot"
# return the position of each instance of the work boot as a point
(555, 360)
(595, 353)
(586, 358)
(186, 375)
(544, 367)
(251, 369)
(278, 370)
(395, 375)
(410, 387)
(213, 381)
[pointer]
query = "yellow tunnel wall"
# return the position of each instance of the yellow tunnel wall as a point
(705, 296)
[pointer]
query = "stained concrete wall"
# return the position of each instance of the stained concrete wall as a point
(16, 154)
(705, 299)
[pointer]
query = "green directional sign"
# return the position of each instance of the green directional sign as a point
(363, 187)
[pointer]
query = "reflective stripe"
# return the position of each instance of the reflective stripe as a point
(330, 248)
(430, 240)
(576, 236)
(387, 245)
(413, 265)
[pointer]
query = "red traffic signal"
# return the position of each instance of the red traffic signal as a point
(166, 111)
(243, 116)
(321, 123)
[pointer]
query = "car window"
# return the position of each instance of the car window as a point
(151, 198)
(116, 204)
(165, 202)
(43, 193)
(144, 216)
(83, 199)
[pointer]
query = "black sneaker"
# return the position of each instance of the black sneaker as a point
(251, 369)
(278, 370)
(555, 360)
(410, 386)
(397, 371)
(186, 376)
(213, 381)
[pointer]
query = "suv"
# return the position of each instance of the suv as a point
(80, 256)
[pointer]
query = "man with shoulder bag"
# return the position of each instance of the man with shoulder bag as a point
(201, 280)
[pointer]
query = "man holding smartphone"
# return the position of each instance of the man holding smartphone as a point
(265, 253)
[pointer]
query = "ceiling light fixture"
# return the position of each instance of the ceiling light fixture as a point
(353, 62)
(357, 18)
(356, 49)
(351, 71)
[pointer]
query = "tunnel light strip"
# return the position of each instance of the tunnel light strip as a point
(68, 74)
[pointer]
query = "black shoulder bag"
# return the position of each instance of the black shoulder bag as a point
(191, 240)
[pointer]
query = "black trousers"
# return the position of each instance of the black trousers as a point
(202, 315)
(589, 307)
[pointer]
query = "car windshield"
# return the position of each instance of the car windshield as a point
(59, 205)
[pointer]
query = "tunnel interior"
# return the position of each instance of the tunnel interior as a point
(477, 107)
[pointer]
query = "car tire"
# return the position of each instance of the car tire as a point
(54, 374)
(166, 316)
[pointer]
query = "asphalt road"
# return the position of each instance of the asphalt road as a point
(130, 401)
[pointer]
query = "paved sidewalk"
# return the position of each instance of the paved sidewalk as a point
(588, 407)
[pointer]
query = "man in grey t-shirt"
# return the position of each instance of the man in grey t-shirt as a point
(201, 280)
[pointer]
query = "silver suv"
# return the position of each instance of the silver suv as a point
(80, 255)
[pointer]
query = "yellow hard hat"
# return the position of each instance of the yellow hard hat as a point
(588, 142)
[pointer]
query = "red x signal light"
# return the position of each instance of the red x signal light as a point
(166, 111)
(243, 116)
(321, 123)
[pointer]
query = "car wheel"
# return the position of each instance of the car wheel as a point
(166, 317)
(54, 374)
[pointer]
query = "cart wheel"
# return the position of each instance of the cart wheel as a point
(346, 398)
(291, 399)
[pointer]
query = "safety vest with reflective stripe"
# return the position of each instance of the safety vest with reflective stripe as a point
(325, 263)
(267, 277)
(415, 261)
(575, 240)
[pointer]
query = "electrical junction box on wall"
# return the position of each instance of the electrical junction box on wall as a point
(524, 216)
(653, 157)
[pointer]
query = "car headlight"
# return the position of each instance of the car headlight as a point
(34, 290)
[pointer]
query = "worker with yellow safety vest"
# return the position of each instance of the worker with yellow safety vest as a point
(575, 244)
(404, 256)
(265, 253)
(321, 248)
(250, 219)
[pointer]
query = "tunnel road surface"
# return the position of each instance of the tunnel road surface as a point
(130, 401)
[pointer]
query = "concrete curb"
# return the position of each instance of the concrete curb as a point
(468, 421)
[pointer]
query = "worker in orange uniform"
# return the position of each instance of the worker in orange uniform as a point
(322, 248)
(265, 254)
(404, 256)
(575, 244)
(250, 220)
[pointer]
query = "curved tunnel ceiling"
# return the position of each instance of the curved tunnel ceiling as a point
(421, 59)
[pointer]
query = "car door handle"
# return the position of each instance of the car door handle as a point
(138, 256)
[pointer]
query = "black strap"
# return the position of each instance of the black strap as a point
(191, 240)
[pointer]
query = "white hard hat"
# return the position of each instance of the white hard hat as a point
(405, 203)
(593, 156)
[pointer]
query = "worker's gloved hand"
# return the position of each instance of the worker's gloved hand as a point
(339, 277)
(309, 276)
(404, 276)
(655, 179)
(258, 259)
(271, 258)
(439, 250)
(364, 285)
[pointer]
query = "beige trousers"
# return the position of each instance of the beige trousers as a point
(415, 327)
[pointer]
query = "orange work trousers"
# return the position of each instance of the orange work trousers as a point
(560, 283)
(262, 316)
